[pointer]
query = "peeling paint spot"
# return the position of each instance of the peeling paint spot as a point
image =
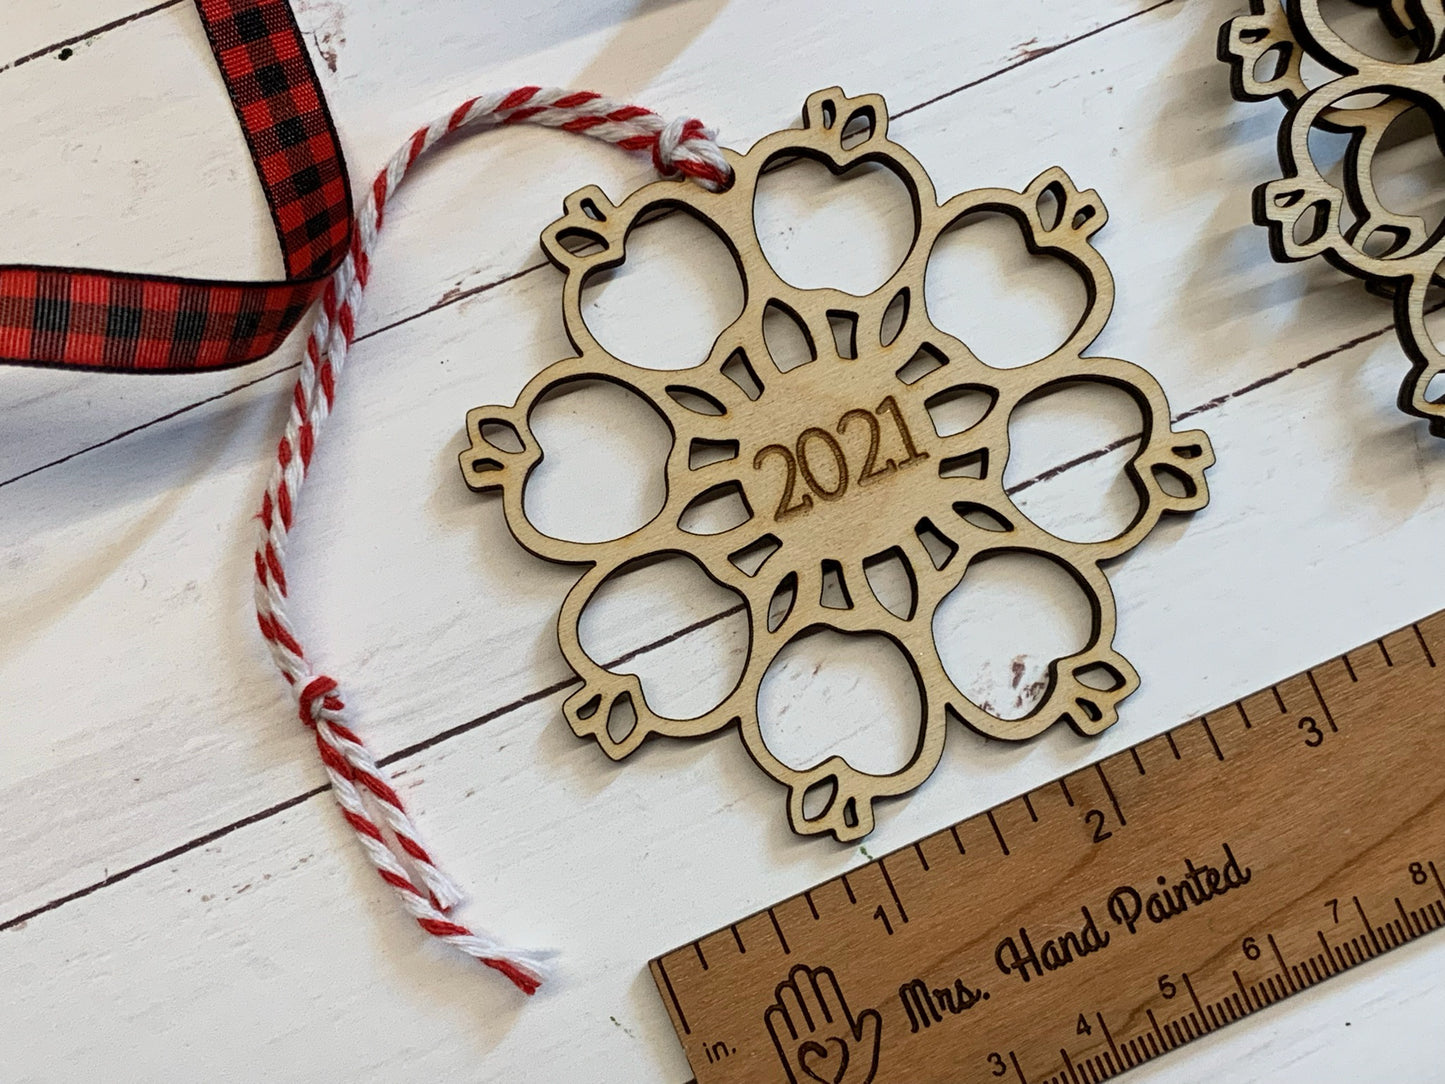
(65, 54)
(1031, 50)
(327, 36)
(327, 51)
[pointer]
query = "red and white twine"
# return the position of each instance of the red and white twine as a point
(370, 805)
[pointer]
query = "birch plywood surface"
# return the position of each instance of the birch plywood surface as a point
(179, 900)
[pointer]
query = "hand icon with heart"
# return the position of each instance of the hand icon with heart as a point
(816, 1034)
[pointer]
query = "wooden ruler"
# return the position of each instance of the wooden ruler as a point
(1110, 916)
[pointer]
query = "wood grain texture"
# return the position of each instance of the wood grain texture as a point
(162, 759)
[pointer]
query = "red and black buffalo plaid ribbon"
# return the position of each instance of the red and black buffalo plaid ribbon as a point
(89, 319)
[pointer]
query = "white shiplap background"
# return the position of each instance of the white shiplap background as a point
(195, 907)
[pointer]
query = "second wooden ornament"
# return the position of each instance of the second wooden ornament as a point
(1309, 212)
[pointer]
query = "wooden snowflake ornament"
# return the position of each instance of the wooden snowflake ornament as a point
(836, 463)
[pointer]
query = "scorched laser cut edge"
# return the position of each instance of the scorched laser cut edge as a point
(838, 462)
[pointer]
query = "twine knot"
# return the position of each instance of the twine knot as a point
(316, 699)
(686, 146)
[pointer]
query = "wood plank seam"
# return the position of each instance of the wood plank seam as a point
(1036, 53)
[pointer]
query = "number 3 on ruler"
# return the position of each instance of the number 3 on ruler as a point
(1314, 736)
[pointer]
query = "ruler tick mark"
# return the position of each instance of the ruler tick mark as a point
(779, 931)
(1169, 736)
(1030, 807)
(1002, 845)
(922, 860)
(1423, 645)
(1411, 924)
(1112, 1045)
(1064, 787)
(1436, 874)
(1017, 1071)
(1345, 658)
(954, 829)
(1279, 699)
(1137, 762)
(1099, 767)
(1321, 698)
(1375, 941)
(1243, 992)
(892, 891)
(1385, 652)
(671, 993)
(1239, 706)
(1204, 722)
(808, 895)
(1069, 1065)
(1284, 967)
(1155, 1024)
(739, 939)
(848, 888)
(697, 947)
(1193, 997)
